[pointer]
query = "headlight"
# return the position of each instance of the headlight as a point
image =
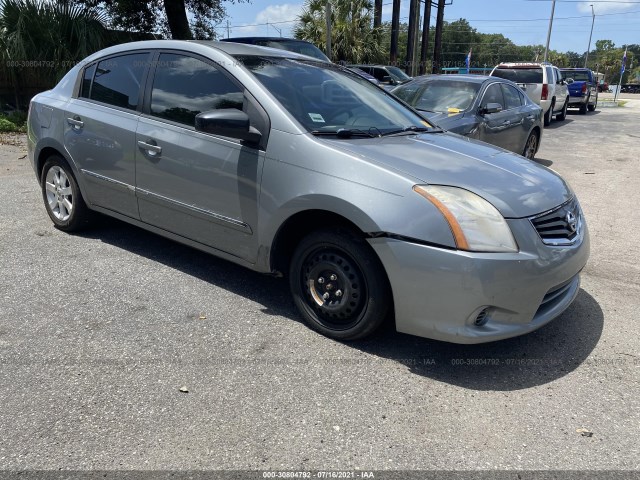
(476, 225)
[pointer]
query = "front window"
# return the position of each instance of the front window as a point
(184, 86)
(325, 98)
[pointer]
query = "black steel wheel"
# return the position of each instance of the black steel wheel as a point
(339, 284)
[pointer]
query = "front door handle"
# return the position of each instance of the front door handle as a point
(75, 122)
(152, 150)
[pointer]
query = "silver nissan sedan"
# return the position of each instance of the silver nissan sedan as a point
(296, 167)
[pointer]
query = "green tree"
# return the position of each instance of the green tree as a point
(179, 19)
(40, 41)
(353, 38)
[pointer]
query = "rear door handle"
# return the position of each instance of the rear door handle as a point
(152, 150)
(75, 122)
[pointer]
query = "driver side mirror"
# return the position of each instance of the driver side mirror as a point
(387, 79)
(570, 81)
(228, 122)
(490, 108)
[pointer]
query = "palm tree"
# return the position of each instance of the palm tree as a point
(353, 37)
(40, 40)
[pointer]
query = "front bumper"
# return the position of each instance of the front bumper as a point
(440, 293)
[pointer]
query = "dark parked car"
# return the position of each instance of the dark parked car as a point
(290, 44)
(385, 74)
(490, 109)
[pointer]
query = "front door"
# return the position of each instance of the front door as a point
(495, 128)
(200, 186)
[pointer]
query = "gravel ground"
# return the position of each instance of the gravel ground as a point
(99, 331)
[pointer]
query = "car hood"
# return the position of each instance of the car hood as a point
(442, 119)
(516, 186)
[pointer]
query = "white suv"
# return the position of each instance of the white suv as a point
(543, 84)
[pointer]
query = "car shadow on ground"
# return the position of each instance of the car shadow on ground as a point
(558, 123)
(523, 362)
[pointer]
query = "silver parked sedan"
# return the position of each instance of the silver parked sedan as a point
(490, 109)
(287, 165)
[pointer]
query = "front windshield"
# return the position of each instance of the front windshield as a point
(299, 47)
(398, 74)
(325, 98)
(442, 96)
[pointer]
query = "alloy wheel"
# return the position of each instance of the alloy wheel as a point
(59, 193)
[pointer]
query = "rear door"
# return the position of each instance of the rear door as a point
(197, 185)
(521, 118)
(101, 127)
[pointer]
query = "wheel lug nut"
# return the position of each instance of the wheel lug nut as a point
(321, 280)
(333, 277)
(325, 296)
(338, 293)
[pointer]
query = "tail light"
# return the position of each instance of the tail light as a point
(545, 91)
(584, 88)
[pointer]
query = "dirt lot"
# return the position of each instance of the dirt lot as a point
(99, 331)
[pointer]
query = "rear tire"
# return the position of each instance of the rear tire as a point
(548, 115)
(583, 107)
(339, 285)
(531, 146)
(563, 114)
(62, 198)
(592, 106)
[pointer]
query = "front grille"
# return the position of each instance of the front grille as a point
(560, 226)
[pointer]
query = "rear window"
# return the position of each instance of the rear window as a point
(520, 75)
(577, 76)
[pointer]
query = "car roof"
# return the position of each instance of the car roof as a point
(524, 64)
(368, 65)
(455, 76)
(229, 48)
(259, 39)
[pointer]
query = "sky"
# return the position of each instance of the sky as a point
(525, 22)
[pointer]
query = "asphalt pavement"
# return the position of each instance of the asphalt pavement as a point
(100, 331)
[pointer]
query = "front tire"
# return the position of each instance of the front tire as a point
(339, 284)
(61, 195)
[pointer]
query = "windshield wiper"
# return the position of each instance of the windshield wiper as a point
(348, 132)
(411, 129)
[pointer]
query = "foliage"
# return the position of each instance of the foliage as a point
(353, 38)
(13, 123)
(41, 40)
(179, 19)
